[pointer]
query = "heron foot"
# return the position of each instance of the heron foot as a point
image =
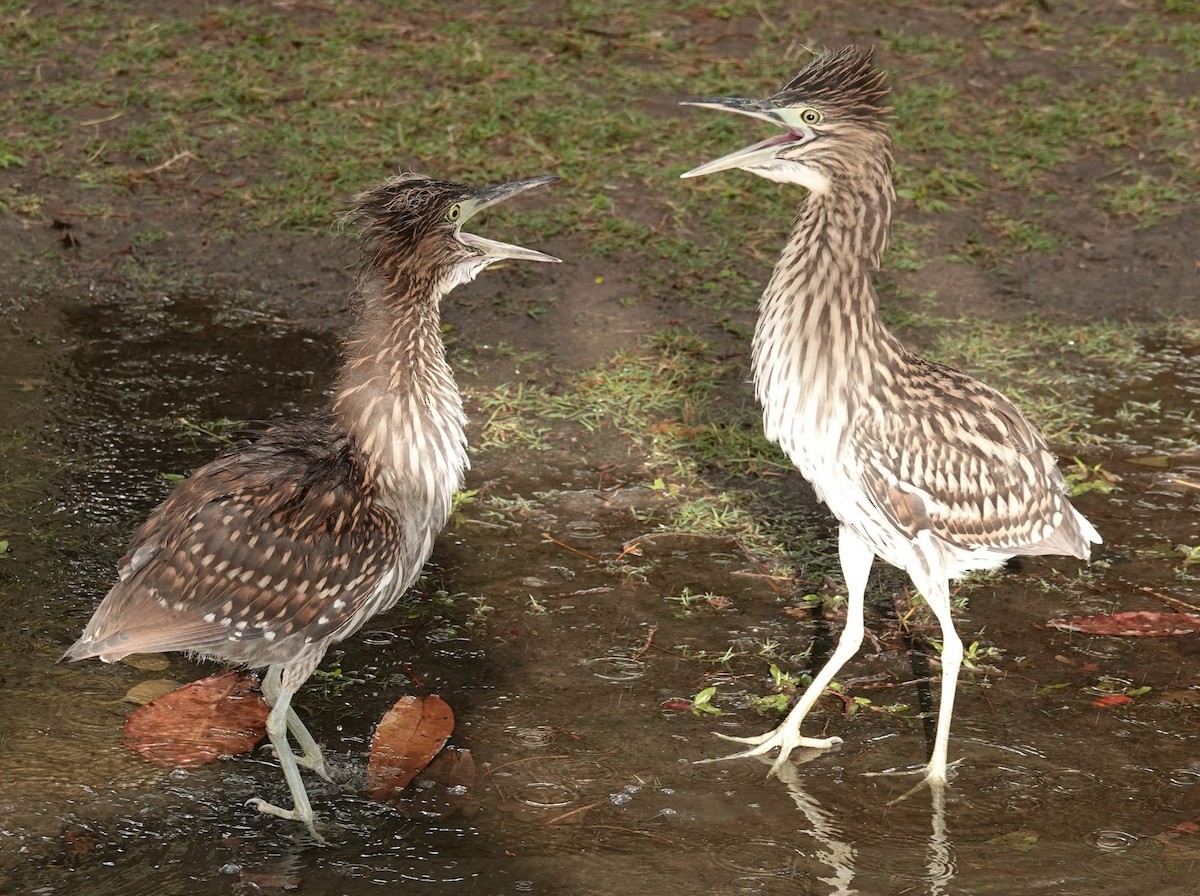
(315, 763)
(935, 779)
(784, 738)
(308, 819)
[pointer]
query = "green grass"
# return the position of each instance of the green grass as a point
(688, 425)
(311, 106)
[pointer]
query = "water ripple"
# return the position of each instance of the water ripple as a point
(617, 668)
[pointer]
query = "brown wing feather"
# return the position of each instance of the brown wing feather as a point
(280, 540)
(946, 453)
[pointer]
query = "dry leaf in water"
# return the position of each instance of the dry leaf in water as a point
(1146, 623)
(441, 789)
(221, 715)
(409, 735)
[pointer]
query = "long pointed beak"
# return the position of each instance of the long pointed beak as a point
(758, 152)
(494, 249)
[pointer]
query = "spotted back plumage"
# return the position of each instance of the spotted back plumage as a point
(943, 453)
(260, 554)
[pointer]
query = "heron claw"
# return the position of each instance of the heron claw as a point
(290, 814)
(935, 782)
(761, 744)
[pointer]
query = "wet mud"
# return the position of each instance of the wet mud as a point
(554, 619)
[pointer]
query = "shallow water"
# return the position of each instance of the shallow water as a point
(558, 663)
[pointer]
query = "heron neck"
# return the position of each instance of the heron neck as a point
(819, 340)
(396, 396)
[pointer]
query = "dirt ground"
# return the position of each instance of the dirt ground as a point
(1106, 267)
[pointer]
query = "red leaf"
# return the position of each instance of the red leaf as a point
(676, 703)
(1112, 700)
(409, 735)
(221, 715)
(441, 789)
(1140, 622)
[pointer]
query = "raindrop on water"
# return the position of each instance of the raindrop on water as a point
(584, 529)
(617, 668)
(1112, 840)
(532, 737)
(378, 639)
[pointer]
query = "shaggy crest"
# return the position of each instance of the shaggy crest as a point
(399, 213)
(843, 82)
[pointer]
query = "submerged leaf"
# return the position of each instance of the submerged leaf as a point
(1017, 841)
(1137, 622)
(148, 691)
(441, 789)
(147, 662)
(217, 716)
(409, 735)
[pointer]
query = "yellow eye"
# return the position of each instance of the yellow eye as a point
(810, 116)
(455, 212)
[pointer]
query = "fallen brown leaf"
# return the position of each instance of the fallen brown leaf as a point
(440, 789)
(217, 716)
(409, 735)
(1146, 623)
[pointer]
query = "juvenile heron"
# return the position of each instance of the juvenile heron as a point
(923, 466)
(271, 554)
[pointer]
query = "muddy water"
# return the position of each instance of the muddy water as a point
(558, 662)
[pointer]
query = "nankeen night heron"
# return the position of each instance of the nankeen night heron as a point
(923, 466)
(271, 554)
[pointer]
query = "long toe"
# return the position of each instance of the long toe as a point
(320, 768)
(935, 781)
(759, 750)
(773, 739)
(761, 744)
(309, 820)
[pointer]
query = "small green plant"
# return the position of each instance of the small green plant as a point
(854, 704)
(691, 602)
(462, 498)
(784, 686)
(702, 703)
(771, 703)
(536, 607)
(975, 656)
(1084, 479)
(334, 681)
(1191, 553)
